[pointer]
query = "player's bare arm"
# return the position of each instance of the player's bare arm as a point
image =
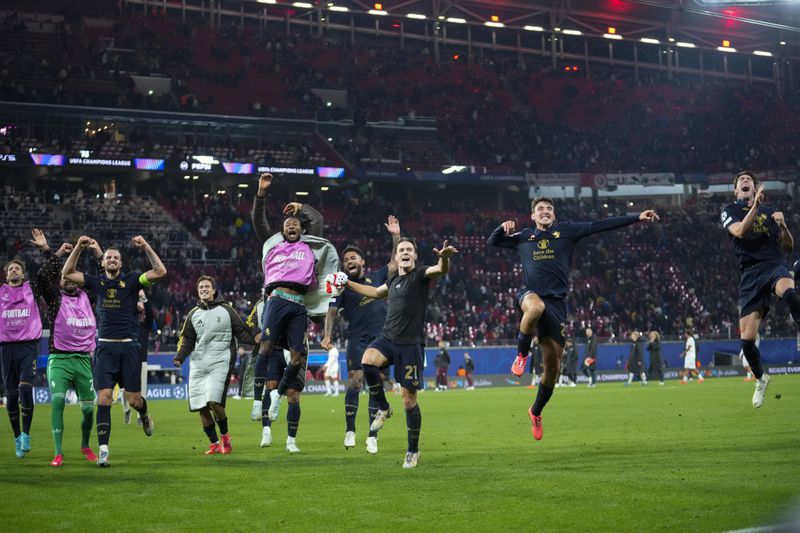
(443, 266)
(393, 227)
(376, 293)
(69, 270)
(785, 238)
(157, 269)
(741, 229)
(330, 320)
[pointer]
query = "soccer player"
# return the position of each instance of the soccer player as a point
(117, 358)
(331, 371)
(760, 239)
(365, 318)
(689, 355)
(656, 361)
(546, 252)
(590, 357)
(293, 260)
(209, 335)
(20, 331)
(72, 341)
(403, 337)
(636, 359)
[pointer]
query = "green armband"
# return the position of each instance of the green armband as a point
(144, 282)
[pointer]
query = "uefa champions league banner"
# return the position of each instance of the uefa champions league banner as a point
(154, 392)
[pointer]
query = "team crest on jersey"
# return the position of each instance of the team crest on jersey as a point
(121, 284)
(111, 293)
(544, 243)
(556, 234)
(368, 280)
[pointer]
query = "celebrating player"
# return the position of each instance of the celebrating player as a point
(760, 239)
(402, 340)
(117, 356)
(72, 341)
(365, 318)
(546, 253)
(292, 261)
(20, 331)
(209, 334)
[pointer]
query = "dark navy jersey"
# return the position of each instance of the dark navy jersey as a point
(547, 254)
(365, 316)
(761, 244)
(115, 304)
(405, 314)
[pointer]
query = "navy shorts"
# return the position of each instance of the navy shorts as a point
(118, 363)
(553, 321)
(276, 364)
(408, 361)
(356, 347)
(283, 318)
(18, 361)
(757, 286)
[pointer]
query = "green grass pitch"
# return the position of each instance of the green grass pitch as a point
(693, 457)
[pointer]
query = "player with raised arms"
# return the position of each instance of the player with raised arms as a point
(546, 250)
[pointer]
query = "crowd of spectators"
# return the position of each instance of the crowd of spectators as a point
(495, 111)
(668, 276)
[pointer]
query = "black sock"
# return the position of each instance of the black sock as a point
(753, 356)
(413, 424)
(260, 377)
(524, 341)
(26, 406)
(142, 409)
(265, 421)
(211, 433)
(12, 405)
(103, 424)
(373, 408)
(375, 386)
(293, 418)
(793, 301)
(350, 408)
(289, 375)
(542, 397)
(223, 426)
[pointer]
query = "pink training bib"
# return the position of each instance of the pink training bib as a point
(291, 262)
(75, 328)
(19, 315)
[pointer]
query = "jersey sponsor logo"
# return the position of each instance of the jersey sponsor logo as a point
(544, 243)
(760, 224)
(365, 301)
(111, 293)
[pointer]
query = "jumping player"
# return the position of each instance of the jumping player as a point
(292, 261)
(546, 252)
(760, 241)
